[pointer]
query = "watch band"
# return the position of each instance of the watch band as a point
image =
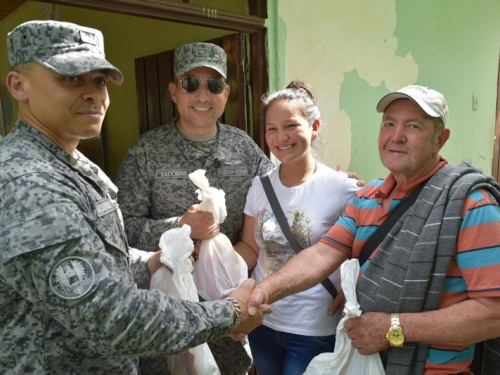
(176, 222)
(237, 311)
(395, 320)
(395, 336)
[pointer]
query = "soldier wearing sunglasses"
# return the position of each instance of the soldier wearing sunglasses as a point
(155, 192)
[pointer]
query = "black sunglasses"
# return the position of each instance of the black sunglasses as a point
(192, 84)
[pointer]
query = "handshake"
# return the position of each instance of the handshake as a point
(253, 308)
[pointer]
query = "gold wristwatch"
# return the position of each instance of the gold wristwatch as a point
(395, 336)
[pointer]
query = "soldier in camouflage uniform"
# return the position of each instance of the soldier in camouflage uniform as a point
(155, 192)
(69, 302)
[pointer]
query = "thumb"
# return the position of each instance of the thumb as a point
(257, 298)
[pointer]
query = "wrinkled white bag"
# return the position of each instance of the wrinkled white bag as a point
(345, 359)
(177, 281)
(219, 269)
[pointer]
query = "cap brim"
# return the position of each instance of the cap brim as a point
(74, 64)
(389, 98)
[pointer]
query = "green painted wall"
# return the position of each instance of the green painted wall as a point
(126, 38)
(354, 52)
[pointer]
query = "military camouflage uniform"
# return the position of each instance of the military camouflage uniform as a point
(154, 189)
(68, 299)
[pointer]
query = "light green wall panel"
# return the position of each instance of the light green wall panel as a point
(457, 52)
(354, 52)
(276, 46)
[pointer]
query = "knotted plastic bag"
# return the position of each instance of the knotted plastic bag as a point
(219, 269)
(345, 359)
(177, 281)
(211, 199)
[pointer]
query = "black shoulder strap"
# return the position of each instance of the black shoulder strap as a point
(285, 228)
(378, 236)
(278, 212)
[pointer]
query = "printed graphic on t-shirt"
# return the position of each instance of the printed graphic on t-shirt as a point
(271, 239)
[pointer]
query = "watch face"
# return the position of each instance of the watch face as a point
(396, 337)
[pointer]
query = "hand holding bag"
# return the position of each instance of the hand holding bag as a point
(177, 281)
(345, 359)
(219, 269)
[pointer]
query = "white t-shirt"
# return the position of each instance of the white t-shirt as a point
(311, 209)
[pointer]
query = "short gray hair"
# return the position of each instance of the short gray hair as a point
(439, 127)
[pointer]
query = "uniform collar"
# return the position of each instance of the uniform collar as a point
(191, 152)
(46, 142)
(76, 161)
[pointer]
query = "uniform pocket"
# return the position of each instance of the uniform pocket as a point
(109, 226)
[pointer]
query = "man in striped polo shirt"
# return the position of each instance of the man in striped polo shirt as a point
(430, 290)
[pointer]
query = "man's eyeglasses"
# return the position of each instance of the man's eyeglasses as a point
(192, 84)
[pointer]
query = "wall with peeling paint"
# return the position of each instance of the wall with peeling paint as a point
(354, 52)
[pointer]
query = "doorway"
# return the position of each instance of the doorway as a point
(251, 80)
(154, 73)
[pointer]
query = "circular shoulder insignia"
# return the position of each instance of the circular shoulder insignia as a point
(71, 278)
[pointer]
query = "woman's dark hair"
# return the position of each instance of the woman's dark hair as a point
(299, 92)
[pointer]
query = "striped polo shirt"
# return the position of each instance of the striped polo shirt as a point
(473, 271)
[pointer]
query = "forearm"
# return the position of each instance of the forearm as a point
(247, 246)
(139, 265)
(247, 253)
(174, 325)
(461, 324)
(303, 271)
(144, 233)
(116, 318)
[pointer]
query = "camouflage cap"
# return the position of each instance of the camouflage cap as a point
(65, 48)
(195, 55)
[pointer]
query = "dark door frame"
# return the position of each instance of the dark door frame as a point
(252, 24)
(496, 144)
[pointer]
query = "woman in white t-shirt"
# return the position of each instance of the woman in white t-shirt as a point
(312, 196)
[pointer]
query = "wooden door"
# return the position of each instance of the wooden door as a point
(155, 72)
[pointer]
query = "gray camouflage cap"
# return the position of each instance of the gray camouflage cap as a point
(195, 55)
(65, 48)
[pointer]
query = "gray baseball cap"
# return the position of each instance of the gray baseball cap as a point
(65, 48)
(430, 101)
(195, 55)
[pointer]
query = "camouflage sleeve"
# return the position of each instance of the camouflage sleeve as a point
(72, 271)
(264, 165)
(260, 162)
(134, 198)
(139, 265)
(90, 293)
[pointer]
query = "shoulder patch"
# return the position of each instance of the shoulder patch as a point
(72, 278)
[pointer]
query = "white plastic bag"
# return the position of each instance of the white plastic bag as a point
(219, 269)
(177, 281)
(211, 199)
(345, 359)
